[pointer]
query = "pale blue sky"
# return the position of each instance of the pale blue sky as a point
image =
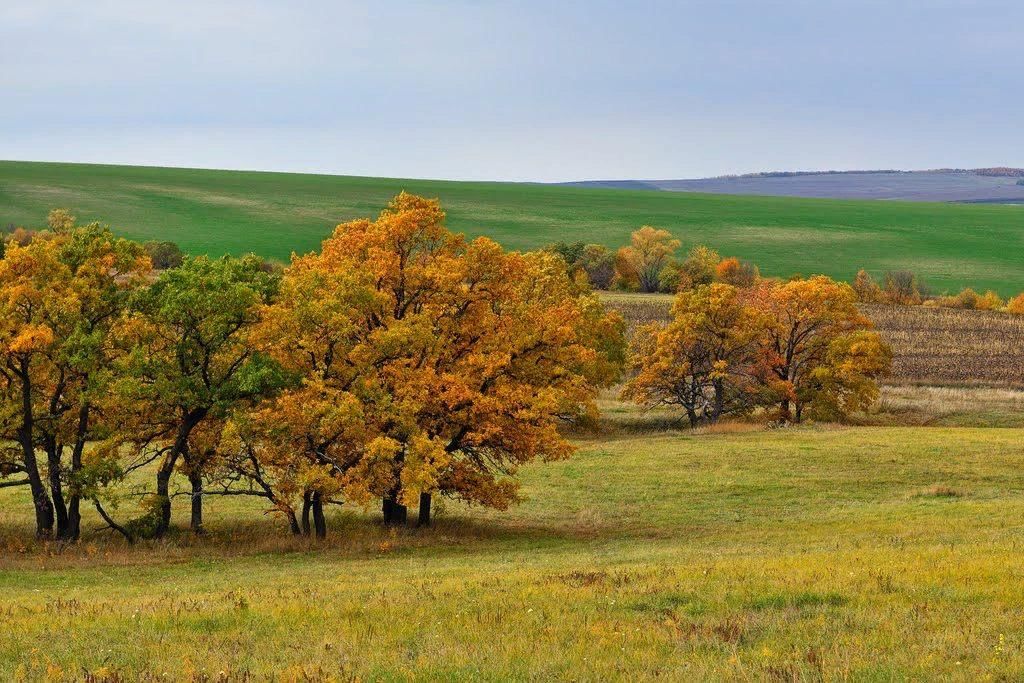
(514, 91)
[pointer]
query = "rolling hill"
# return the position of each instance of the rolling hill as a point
(274, 214)
(985, 185)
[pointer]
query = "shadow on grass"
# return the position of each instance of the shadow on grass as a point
(350, 536)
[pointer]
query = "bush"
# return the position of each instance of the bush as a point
(164, 255)
(599, 263)
(737, 273)
(1016, 305)
(902, 287)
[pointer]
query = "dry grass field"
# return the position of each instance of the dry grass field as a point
(951, 347)
(932, 346)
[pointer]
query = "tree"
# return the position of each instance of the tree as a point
(60, 220)
(845, 382)
(806, 339)
(188, 362)
(60, 295)
(866, 289)
(164, 255)
(639, 265)
(902, 287)
(704, 360)
(429, 365)
(570, 253)
(699, 267)
(1015, 305)
(599, 263)
(737, 273)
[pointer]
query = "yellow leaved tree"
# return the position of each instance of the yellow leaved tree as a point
(427, 364)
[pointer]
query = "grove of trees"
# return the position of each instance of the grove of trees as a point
(801, 346)
(398, 363)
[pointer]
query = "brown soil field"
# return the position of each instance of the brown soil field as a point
(933, 346)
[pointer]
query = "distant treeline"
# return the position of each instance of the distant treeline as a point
(650, 264)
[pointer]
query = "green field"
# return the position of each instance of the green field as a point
(812, 553)
(273, 214)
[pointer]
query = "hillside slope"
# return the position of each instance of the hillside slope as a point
(996, 186)
(274, 214)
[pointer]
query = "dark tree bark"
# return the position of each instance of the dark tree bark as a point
(74, 530)
(60, 507)
(319, 521)
(43, 506)
(784, 411)
(719, 404)
(163, 475)
(395, 514)
(293, 523)
(424, 518)
(196, 480)
(307, 506)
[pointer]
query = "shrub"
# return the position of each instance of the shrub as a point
(164, 255)
(737, 273)
(902, 287)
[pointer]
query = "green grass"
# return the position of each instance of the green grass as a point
(274, 214)
(802, 554)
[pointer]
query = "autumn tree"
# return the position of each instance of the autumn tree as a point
(703, 361)
(732, 271)
(1015, 305)
(61, 294)
(598, 262)
(699, 267)
(902, 287)
(866, 289)
(429, 365)
(639, 266)
(188, 362)
(164, 254)
(60, 220)
(808, 354)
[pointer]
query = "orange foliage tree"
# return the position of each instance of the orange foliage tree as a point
(737, 273)
(818, 348)
(704, 359)
(59, 296)
(428, 365)
(639, 266)
(866, 289)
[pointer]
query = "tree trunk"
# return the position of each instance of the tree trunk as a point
(719, 405)
(307, 506)
(785, 414)
(75, 501)
(319, 522)
(163, 493)
(692, 415)
(424, 519)
(799, 412)
(43, 507)
(60, 508)
(163, 475)
(293, 523)
(74, 530)
(395, 514)
(196, 481)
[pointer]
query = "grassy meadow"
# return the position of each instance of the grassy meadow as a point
(274, 214)
(809, 553)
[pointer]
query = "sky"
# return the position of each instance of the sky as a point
(539, 91)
